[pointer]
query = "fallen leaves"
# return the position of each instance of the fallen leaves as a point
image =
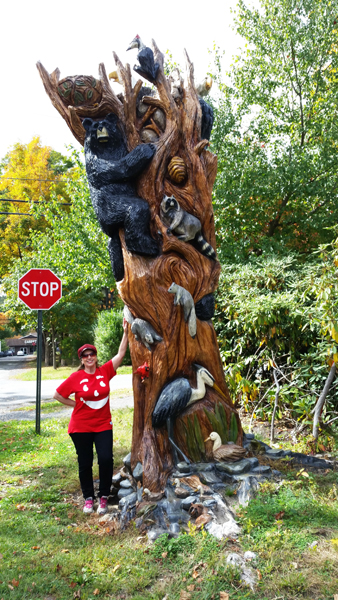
(20, 507)
(280, 515)
(96, 592)
(35, 547)
(14, 583)
(115, 568)
(223, 596)
(302, 473)
(185, 595)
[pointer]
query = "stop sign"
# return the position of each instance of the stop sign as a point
(39, 289)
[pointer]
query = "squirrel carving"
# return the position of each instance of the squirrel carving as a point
(142, 330)
(185, 299)
(185, 226)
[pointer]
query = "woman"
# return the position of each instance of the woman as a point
(91, 421)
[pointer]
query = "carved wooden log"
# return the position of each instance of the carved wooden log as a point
(144, 288)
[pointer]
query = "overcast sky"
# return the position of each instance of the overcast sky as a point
(76, 36)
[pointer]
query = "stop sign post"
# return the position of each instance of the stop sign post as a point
(39, 289)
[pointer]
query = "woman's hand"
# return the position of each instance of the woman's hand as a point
(66, 401)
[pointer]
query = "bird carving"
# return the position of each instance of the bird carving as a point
(180, 492)
(115, 77)
(225, 452)
(152, 496)
(147, 67)
(175, 397)
(204, 87)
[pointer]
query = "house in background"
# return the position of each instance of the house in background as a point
(26, 343)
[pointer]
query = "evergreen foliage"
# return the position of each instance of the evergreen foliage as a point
(108, 334)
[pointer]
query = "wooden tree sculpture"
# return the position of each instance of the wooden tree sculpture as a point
(181, 167)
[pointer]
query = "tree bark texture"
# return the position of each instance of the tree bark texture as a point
(144, 288)
(321, 400)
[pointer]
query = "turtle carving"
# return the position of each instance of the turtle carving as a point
(80, 90)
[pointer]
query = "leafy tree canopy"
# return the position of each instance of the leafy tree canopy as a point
(73, 246)
(276, 130)
(29, 173)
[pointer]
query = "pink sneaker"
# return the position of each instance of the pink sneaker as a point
(103, 508)
(89, 506)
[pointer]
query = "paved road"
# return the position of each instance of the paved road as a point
(15, 393)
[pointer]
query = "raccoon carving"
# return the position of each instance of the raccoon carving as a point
(185, 226)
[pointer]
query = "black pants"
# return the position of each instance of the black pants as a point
(83, 443)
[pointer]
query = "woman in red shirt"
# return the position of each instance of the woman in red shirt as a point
(91, 421)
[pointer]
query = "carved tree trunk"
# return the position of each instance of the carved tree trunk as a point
(145, 285)
(144, 288)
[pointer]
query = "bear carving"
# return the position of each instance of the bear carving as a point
(111, 173)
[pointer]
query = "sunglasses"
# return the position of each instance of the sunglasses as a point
(88, 355)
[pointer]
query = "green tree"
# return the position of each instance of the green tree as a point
(278, 315)
(29, 173)
(108, 334)
(276, 130)
(73, 246)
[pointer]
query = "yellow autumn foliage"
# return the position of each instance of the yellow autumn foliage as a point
(27, 174)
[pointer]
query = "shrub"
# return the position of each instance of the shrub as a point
(108, 334)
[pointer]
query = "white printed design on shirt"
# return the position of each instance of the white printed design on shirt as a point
(85, 388)
(99, 376)
(95, 404)
(83, 381)
(96, 393)
(103, 384)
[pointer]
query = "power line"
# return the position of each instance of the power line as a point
(32, 201)
(32, 179)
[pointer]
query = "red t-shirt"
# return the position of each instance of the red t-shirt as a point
(92, 411)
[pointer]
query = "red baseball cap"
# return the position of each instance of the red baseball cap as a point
(86, 347)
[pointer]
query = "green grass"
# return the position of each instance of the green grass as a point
(29, 373)
(46, 407)
(49, 549)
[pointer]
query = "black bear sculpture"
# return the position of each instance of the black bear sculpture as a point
(111, 173)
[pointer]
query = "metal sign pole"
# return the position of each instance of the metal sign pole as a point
(38, 374)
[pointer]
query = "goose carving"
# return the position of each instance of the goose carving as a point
(225, 452)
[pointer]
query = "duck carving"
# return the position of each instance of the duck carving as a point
(225, 452)
(147, 67)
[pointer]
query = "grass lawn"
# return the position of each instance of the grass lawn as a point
(29, 373)
(49, 550)
(46, 407)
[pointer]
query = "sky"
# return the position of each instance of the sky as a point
(75, 37)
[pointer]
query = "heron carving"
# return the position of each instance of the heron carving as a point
(175, 397)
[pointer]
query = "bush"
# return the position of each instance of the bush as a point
(108, 334)
(268, 317)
